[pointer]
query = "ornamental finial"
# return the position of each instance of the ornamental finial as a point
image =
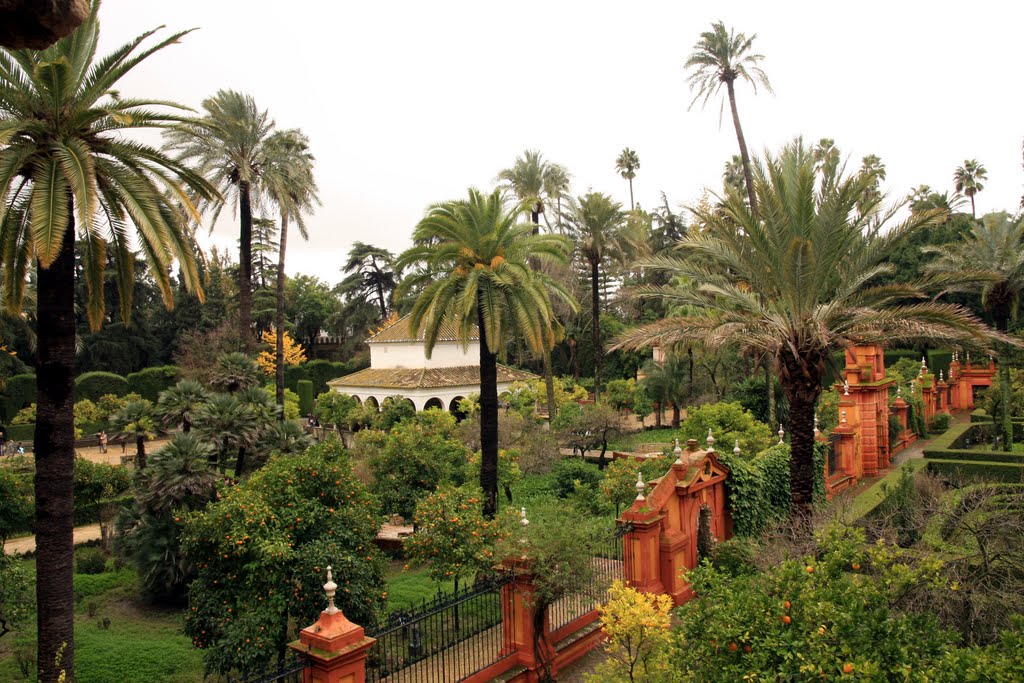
(782, 432)
(842, 415)
(678, 453)
(846, 387)
(640, 486)
(330, 588)
(736, 450)
(710, 439)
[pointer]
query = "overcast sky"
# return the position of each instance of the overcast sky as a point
(409, 103)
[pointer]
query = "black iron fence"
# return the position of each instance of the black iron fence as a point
(444, 640)
(607, 566)
(287, 670)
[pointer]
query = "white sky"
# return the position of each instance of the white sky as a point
(409, 103)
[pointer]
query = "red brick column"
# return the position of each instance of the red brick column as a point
(335, 646)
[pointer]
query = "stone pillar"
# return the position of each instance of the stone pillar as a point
(517, 607)
(334, 645)
(846, 448)
(901, 408)
(641, 551)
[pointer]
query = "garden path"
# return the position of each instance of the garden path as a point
(27, 544)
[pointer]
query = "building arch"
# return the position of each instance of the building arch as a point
(455, 410)
(434, 403)
(372, 401)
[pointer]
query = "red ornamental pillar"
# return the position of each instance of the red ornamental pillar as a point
(846, 449)
(334, 645)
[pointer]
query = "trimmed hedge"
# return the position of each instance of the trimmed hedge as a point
(21, 432)
(93, 385)
(988, 471)
(939, 360)
(149, 382)
(305, 392)
(19, 393)
(319, 372)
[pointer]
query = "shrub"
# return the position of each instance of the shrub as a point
(90, 561)
(93, 385)
(394, 410)
(304, 388)
(621, 394)
(573, 473)
(320, 372)
(18, 393)
(16, 503)
(25, 416)
(729, 423)
(618, 486)
(939, 423)
(16, 601)
(97, 484)
(639, 636)
(149, 382)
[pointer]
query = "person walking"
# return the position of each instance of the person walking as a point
(103, 442)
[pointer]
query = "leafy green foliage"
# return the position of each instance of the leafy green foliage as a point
(262, 550)
(15, 594)
(729, 423)
(18, 392)
(618, 486)
(93, 385)
(150, 382)
(304, 388)
(334, 408)
(90, 561)
(394, 410)
(413, 459)
(95, 485)
(16, 503)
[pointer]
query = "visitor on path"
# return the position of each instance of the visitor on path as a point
(103, 441)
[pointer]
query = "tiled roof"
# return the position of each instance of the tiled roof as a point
(401, 331)
(426, 378)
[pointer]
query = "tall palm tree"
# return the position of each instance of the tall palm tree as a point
(968, 180)
(530, 179)
(627, 164)
(227, 146)
(136, 421)
(797, 285)
(68, 167)
(722, 56)
(732, 175)
(290, 184)
(596, 224)
(177, 405)
(371, 274)
(990, 261)
(557, 181)
(477, 273)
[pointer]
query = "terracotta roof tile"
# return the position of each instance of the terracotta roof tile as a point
(401, 331)
(426, 378)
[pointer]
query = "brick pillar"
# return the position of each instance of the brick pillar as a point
(641, 551)
(334, 645)
(517, 607)
(846, 448)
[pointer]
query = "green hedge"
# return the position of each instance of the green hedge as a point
(93, 385)
(939, 360)
(759, 488)
(319, 372)
(893, 356)
(988, 471)
(149, 382)
(21, 432)
(305, 392)
(19, 392)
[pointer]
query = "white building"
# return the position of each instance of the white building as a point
(399, 367)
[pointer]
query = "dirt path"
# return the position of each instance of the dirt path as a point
(27, 544)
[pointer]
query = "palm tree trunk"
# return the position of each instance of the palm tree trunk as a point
(595, 308)
(488, 420)
(769, 382)
(744, 156)
(676, 415)
(245, 265)
(55, 460)
(1002, 321)
(240, 463)
(140, 452)
(803, 387)
(186, 425)
(279, 320)
(657, 414)
(973, 215)
(549, 386)
(632, 206)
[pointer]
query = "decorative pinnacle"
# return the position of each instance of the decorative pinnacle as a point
(940, 375)
(640, 486)
(330, 588)
(710, 439)
(678, 453)
(899, 391)
(816, 430)
(846, 387)
(522, 517)
(736, 450)
(924, 363)
(968, 357)
(782, 432)
(842, 415)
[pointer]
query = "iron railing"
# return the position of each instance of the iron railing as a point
(607, 566)
(444, 640)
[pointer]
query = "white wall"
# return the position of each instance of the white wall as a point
(412, 355)
(419, 397)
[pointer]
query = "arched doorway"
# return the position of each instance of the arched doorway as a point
(455, 410)
(434, 403)
(372, 401)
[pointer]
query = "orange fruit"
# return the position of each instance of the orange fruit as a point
(810, 570)
(856, 567)
(787, 604)
(847, 668)
(746, 648)
(733, 647)
(786, 619)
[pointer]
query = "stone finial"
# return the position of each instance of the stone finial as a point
(940, 375)
(640, 486)
(899, 391)
(330, 588)
(924, 362)
(846, 387)
(678, 452)
(954, 356)
(710, 440)
(736, 450)
(816, 430)
(522, 517)
(842, 416)
(782, 433)
(968, 357)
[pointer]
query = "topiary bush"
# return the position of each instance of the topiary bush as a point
(939, 423)
(305, 391)
(90, 561)
(149, 382)
(19, 392)
(93, 385)
(320, 372)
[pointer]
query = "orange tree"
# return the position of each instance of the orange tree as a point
(262, 550)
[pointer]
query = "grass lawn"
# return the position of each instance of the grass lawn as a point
(627, 442)
(139, 643)
(408, 588)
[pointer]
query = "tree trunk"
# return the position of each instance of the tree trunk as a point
(676, 414)
(245, 266)
(549, 386)
(657, 415)
(1002, 320)
(632, 206)
(140, 452)
(55, 460)
(488, 420)
(802, 381)
(595, 308)
(186, 425)
(747, 176)
(973, 215)
(279, 321)
(769, 382)
(240, 463)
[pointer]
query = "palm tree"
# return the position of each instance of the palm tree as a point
(290, 184)
(230, 423)
(732, 175)
(557, 180)
(722, 56)
(596, 224)
(476, 273)
(666, 384)
(626, 164)
(284, 438)
(178, 404)
(968, 180)
(136, 421)
(235, 372)
(227, 145)
(990, 261)
(69, 167)
(797, 285)
(371, 274)
(180, 475)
